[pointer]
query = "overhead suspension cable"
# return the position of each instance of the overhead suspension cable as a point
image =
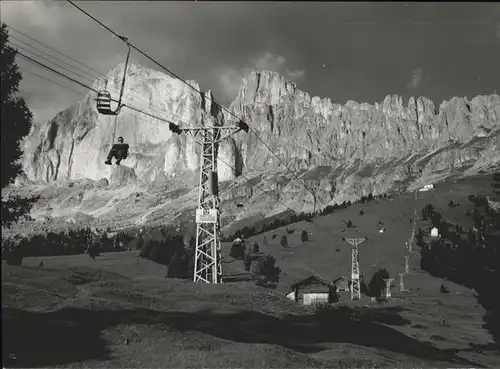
(49, 80)
(92, 89)
(57, 51)
(141, 98)
(60, 66)
(195, 89)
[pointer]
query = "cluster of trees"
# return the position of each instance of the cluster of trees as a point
(469, 257)
(262, 267)
(16, 119)
(171, 252)
(69, 242)
(15, 122)
(376, 285)
(295, 218)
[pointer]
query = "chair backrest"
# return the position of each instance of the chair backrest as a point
(104, 103)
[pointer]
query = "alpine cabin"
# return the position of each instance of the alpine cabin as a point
(343, 284)
(313, 290)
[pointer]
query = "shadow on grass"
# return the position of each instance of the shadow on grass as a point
(70, 334)
(240, 277)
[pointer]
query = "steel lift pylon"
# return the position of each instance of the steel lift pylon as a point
(208, 263)
(355, 283)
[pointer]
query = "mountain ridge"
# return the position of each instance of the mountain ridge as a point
(339, 152)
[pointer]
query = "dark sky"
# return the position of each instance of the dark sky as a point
(370, 49)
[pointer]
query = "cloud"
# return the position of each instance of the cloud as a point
(48, 16)
(417, 77)
(230, 77)
(276, 63)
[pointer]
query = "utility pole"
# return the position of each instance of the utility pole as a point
(401, 282)
(355, 288)
(388, 282)
(414, 225)
(207, 262)
(407, 264)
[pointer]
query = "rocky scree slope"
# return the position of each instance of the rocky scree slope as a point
(340, 151)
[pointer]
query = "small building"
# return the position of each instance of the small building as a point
(434, 232)
(312, 290)
(381, 230)
(427, 187)
(342, 284)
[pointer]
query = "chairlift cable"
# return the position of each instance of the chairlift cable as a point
(10, 43)
(57, 72)
(49, 80)
(41, 43)
(95, 76)
(88, 77)
(92, 89)
(195, 89)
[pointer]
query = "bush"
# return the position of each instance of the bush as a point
(14, 256)
(274, 236)
(237, 250)
(349, 224)
(264, 241)
(361, 212)
(93, 250)
(162, 252)
(427, 211)
(377, 284)
(175, 268)
(266, 272)
(255, 248)
(15, 208)
(284, 241)
(304, 236)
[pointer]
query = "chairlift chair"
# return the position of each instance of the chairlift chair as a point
(104, 97)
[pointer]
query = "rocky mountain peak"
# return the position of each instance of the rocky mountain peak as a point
(265, 87)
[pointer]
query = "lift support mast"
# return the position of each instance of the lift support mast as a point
(207, 263)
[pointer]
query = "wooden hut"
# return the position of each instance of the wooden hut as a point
(313, 290)
(342, 284)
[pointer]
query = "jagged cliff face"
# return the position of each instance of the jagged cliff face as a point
(341, 152)
(357, 148)
(76, 142)
(312, 131)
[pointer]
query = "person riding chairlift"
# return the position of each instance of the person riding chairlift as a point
(119, 151)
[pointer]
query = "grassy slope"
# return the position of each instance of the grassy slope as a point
(75, 312)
